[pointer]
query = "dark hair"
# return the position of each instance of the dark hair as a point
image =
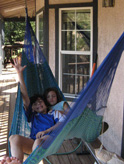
(59, 97)
(34, 98)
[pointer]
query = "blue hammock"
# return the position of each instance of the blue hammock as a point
(83, 120)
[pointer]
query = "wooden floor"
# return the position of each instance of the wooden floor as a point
(8, 89)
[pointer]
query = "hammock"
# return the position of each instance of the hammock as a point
(83, 120)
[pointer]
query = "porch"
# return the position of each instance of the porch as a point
(8, 89)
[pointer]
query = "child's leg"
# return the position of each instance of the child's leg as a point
(20, 145)
(39, 141)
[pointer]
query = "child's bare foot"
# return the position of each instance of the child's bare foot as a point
(10, 160)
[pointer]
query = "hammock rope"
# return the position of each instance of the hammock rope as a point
(83, 121)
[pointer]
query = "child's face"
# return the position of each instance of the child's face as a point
(52, 98)
(39, 106)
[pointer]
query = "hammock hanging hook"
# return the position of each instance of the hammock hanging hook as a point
(26, 7)
(26, 10)
(25, 3)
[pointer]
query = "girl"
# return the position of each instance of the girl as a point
(54, 101)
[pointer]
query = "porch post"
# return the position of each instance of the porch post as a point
(95, 30)
(1, 44)
(46, 30)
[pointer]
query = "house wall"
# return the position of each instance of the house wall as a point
(110, 27)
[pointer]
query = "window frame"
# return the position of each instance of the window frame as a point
(68, 95)
(37, 25)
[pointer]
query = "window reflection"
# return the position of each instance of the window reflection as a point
(75, 71)
(76, 26)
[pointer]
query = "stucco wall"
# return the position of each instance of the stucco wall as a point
(110, 27)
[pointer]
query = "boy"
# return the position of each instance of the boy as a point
(36, 111)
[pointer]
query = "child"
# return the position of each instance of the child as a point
(54, 101)
(42, 123)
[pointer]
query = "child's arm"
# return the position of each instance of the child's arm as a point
(20, 69)
(58, 118)
(66, 107)
(42, 133)
(62, 107)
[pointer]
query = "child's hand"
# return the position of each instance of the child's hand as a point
(66, 108)
(17, 65)
(40, 134)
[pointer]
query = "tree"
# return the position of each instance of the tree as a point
(14, 31)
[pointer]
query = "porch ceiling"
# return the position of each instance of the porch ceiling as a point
(16, 8)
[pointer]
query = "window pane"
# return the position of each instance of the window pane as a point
(68, 64)
(68, 20)
(41, 22)
(83, 20)
(40, 30)
(81, 82)
(75, 72)
(41, 38)
(83, 64)
(68, 84)
(83, 41)
(68, 40)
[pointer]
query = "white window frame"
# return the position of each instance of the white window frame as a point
(37, 23)
(74, 52)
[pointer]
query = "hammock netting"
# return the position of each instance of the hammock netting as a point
(84, 119)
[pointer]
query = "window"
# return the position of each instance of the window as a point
(40, 29)
(75, 49)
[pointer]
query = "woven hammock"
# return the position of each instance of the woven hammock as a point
(83, 120)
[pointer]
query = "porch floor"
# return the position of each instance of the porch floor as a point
(8, 90)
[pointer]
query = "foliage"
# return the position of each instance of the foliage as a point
(14, 32)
